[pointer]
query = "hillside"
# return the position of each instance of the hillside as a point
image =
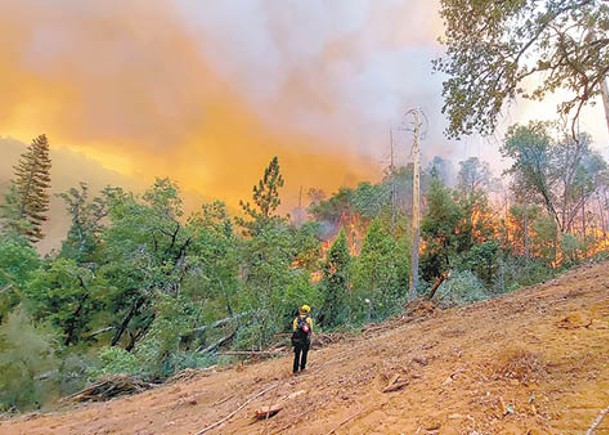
(532, 362)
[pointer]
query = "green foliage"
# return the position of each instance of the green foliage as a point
(515, 272)
(84, 235)
(371, 199)
(544, 238)
(160, 353)
(18, 259)
(26, 353)
(380, 276)
(492, 47)
(307, 246)
(268, 275)
(332, 209)
(438, 231)
(66, 295)
(214, 260)
(146, 252)
(460, 289)
(483, 261)
(266, 200)
(115, 361)
(570, 247)
(336, 283)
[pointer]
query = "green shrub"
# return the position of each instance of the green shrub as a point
(461, 288)
(115, 360)
(27, 364)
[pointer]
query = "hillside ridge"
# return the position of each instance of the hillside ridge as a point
(534, 361)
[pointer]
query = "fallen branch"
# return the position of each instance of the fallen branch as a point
(395, 385)
(217, 323)
(344, 422)
(216, 344)
(598, 421)
(243, 405)
(267, 412)
(101, 331)
(119, 385)
(252, 353)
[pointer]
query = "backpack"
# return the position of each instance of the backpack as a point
(299, 336)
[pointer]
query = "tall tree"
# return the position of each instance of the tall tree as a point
(335, 282)
(561, 174)
(493, 46)
(27, 202)
(473, 175)
(379, 275)
(146, 253)
(265, 200)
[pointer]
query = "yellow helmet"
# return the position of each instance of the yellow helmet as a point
(305, 308)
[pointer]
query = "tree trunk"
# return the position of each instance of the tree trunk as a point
(139, 334)
(605, 95)
(601, 213)
(584, 228)
(72, 322)
(416, 203)
(437, 284)
(527, 240)
(132, 312)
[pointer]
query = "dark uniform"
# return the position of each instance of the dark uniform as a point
(301, 339)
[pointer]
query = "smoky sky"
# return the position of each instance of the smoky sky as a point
(207, 92)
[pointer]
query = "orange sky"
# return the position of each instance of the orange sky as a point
(208, 92)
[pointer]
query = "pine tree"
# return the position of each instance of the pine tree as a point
(335, 282)
(27, 201)
(266, 200)
(379, 275)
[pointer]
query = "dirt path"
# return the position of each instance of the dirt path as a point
(534, 362)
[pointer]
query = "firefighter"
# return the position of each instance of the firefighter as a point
(301, 337)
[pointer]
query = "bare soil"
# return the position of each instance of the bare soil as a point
(533, 362)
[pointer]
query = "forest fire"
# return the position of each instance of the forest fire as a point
(355, 229)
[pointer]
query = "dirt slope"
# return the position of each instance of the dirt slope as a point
(534, 362)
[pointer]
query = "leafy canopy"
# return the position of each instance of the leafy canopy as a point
(492, 47)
